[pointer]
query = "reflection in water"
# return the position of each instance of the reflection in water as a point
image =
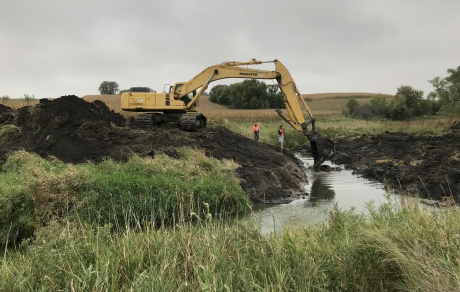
(320, 193)
(327, 189)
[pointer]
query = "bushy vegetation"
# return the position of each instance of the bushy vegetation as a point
(393, 249)
(408, 102)
(5, 98)
(34, 191)
(249, 94)
(447, 91)
(108, 87)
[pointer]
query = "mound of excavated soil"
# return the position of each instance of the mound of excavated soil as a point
(4, 108)
(427, 166)
(76, 131)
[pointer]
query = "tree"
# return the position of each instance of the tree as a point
(399, 107)
(378, 104)
(447, 90)
(253, 95)
(453, 84)
(108, 87)
(219, 94)
(440, 90)
(275, 97)
(352, 104)
(413, 98)
(249, 94)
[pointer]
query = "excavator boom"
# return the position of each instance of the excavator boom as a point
(295, 104)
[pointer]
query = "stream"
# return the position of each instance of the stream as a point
(326, 189)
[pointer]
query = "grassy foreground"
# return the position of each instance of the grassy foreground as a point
(395, 249)
(160, 191)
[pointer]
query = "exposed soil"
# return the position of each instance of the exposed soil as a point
(76, 131)
(426, 166)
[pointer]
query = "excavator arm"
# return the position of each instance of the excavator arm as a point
(295, 104)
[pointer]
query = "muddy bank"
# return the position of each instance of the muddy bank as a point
(426, 166)
(76, 131)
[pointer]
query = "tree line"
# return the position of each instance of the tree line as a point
(249, 94)
(409, 102)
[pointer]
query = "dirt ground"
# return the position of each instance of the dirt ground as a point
(76, 131)
(426, 166)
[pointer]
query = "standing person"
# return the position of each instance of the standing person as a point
(256, 130)
(280, 135)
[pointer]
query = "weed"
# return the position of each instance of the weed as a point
(8, 132)
(393, 249)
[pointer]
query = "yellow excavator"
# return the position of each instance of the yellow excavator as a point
(179, 104)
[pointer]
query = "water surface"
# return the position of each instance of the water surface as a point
(325, 189)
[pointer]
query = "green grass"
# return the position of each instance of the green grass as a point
(9, 132)
(338, 126)
(34, 191)
(268, 132)
(394, 249)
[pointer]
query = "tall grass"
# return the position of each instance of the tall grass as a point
(34, 191)
(336, 127)
(16, 103)
(394, 249)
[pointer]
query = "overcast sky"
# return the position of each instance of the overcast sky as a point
(51, 48)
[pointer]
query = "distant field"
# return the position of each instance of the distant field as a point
(340, 95)
(114, 99)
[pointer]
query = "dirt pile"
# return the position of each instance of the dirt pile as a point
(427, 166)
(4, 108)
(6, 114)
(76, 131)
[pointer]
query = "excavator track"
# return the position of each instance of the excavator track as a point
(193, 121)
(146, 119)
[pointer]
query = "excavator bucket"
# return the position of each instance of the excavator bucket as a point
(322, 148)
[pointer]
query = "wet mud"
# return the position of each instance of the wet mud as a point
(428, 167)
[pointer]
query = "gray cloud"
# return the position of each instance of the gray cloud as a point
(52, 48)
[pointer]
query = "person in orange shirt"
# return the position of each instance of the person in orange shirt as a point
(256, 130)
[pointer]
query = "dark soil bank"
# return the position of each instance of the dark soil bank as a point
(76, 131)
(427, 166)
